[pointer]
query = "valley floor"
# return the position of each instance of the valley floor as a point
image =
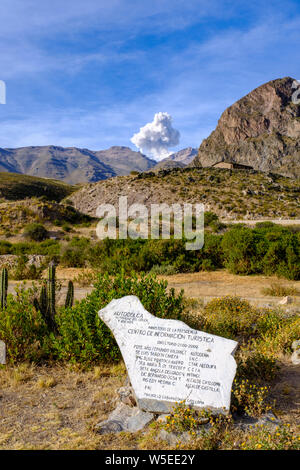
(203, 285)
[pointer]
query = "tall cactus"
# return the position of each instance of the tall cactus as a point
(3, 288)
(70, 295)
(47, 301)
(51, 290)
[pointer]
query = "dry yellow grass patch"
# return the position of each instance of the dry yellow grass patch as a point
(57, 407)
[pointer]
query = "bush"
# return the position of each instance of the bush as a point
(264, 438)
(36, 232)
(269, 250)
(256, 367)
(229, 317)
(239, 247)
(165, 269)
(22, 327)
(24, 271)
(279, 290)
(209, 218)
(74, 255)
(84, 337)
(249, 398)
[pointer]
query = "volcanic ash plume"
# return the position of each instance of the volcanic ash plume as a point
(157, 136)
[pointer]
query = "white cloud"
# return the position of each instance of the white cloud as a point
(156, 137)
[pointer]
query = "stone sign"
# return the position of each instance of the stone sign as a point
(167, 361)
(2, 352)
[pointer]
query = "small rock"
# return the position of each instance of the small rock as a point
(125, 418)
(286, 300)
(245, 422)
(296, 344)
(295, 358)
(126, 395)
(173, 438)
(2, 352)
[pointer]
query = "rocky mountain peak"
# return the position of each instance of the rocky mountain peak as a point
(262, 130)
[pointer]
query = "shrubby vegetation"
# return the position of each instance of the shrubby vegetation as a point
(267, 249)
(36, 232)
(81, 335)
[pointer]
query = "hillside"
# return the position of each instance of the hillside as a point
(73, 165)
(262, 130)
(231, 194)
(15, 187)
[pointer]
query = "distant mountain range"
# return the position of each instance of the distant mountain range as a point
(73, 165)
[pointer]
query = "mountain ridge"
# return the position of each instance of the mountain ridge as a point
(71, 164)
(262, 130)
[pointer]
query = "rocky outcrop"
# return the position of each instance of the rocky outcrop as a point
(261, 130)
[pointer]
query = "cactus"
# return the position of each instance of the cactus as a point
(70, 295)
(3, 288)
(47, 301)
(51, 290)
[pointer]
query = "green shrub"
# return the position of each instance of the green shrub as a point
(84, 337)
(229, 317)
(279, 290)
(72, 258)
(239, 247)
(5, 247)
(36, 232)
(74, 255)
(268, 250)
(24, 271)
(249, 398)
(165, 269)
(257, 367)
(209, 218)
(22, 327)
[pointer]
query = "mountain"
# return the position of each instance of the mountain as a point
(178, 160)
(184, 156)
(261, 130)
(71, 164)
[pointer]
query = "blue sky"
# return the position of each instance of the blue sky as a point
(90, 73)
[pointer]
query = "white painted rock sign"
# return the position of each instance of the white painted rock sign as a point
(167, 361)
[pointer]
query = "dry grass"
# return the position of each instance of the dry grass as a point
(279, 290)
(57, 407)
(208, 285)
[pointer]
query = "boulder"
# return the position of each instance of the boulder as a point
(125, 418)
(295, 358)
(286, 300)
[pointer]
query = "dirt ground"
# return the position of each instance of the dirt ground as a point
(207, 285)
(202, 285)
(58, 407)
